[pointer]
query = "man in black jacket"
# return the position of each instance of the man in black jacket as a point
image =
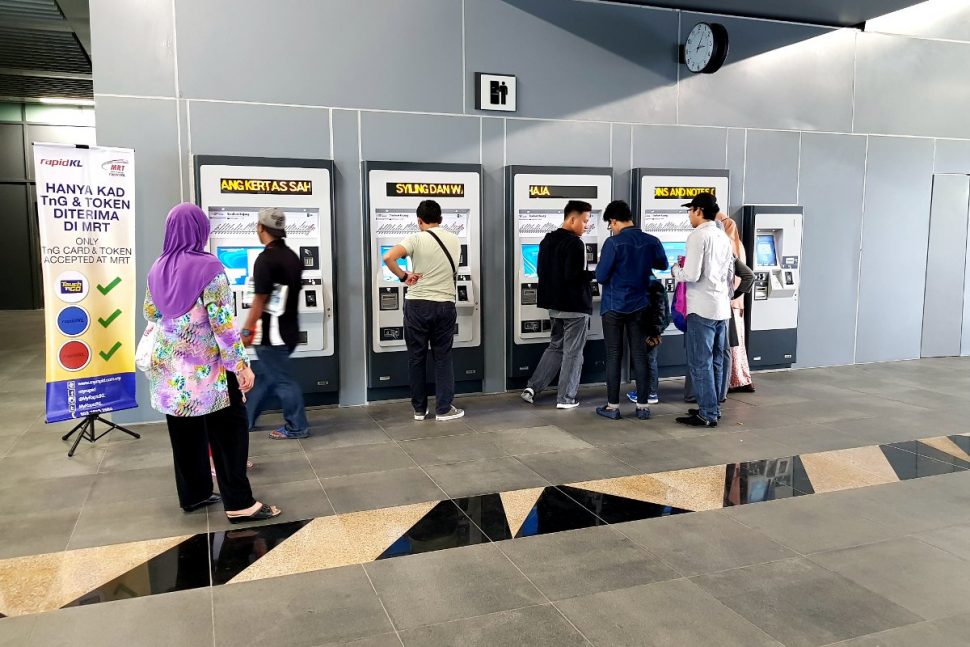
(565, 289)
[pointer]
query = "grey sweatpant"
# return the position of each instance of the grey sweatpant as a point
(564, 356)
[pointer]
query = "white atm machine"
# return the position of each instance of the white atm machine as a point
(231, 191)
(772, 238)
(392, 192)
(658, 194)
(537, 196)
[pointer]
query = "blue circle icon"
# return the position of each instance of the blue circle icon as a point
(73, 321)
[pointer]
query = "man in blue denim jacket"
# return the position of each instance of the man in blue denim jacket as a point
(624, 270)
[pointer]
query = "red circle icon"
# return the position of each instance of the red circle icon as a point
(74, 355)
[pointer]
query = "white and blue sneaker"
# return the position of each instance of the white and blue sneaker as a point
(653, 398)
(632, 396)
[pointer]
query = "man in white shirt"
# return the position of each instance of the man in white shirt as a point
(429, 308)
(708, 271)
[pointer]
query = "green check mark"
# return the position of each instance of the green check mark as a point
(106, 356)
(104, 289)
(107, 322)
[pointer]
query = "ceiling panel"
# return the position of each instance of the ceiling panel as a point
(41, 54)
(834, 13)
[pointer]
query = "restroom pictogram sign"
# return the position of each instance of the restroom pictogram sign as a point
(495, 92)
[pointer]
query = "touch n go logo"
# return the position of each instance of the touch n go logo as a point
(50, 162)
(115, 168)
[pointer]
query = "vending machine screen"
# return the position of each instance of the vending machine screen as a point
(673, 251)
(403, 263)
(237, 261)
(530, 260)
(765, 255)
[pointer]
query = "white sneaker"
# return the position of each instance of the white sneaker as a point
(420, 416)
(528, 395)
(453, 414)
(567, 405)
(653, 398)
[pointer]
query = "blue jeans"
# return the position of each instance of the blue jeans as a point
(706, 340)
(273, 376)
(653, 370)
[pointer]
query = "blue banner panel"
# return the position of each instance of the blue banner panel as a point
(78, 398)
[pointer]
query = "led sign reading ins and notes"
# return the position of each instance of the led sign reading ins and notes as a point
(765, 255)
(403, 263)
(530, 260)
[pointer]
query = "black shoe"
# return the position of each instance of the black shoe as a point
(697, 412)
(695, 420)
(212, 500)
(747, 388)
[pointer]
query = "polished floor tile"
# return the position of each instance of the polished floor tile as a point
(581, 562)
(413, 599)
(233, 551)
(696, 544)
(809, 604)
(538, 626)
(664, 614)
(484, 477)
(359, 459)
(927, 580)
(337, 605)
(615, 509)
(380, 489)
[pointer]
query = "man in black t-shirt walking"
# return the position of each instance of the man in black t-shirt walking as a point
(277, 281)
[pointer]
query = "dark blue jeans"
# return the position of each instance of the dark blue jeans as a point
(273, 376)
(706, 340)
(430, 324)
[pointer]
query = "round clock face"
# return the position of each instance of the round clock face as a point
(699, 48)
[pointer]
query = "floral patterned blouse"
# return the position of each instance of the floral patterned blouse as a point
(193, 352)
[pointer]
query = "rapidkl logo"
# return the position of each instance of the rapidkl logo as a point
(115, 168)
(49, 162)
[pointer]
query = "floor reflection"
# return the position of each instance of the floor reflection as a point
(183, 567)
(445, 526)
(609, 508)
(765, 480)
(913, 460)
(235, 550)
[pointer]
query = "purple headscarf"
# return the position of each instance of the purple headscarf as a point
(183, 270)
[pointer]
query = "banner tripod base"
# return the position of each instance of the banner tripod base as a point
(86, 429)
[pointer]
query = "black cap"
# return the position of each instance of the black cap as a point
(704, 201)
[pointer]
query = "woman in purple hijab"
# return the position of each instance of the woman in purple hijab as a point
(200, 370)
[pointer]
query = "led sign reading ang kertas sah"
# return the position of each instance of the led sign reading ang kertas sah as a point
(272, 187)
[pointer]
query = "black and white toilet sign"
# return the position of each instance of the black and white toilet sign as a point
(495, 92)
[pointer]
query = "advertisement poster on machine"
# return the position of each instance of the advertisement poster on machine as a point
(86, 212)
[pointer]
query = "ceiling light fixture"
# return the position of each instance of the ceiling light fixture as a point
(54, 101)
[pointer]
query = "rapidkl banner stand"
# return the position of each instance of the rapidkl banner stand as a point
(86, 208)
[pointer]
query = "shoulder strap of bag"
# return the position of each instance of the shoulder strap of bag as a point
(454, 270)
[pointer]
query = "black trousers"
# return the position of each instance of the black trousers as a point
(616, 326)
(430, 324)
(227, 432)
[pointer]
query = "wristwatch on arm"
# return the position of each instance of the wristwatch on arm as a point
(246, 332)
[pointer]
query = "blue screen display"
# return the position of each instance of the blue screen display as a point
(403, 263)
(673, 250)
(530, 261)
(237, 262)
(765, 255)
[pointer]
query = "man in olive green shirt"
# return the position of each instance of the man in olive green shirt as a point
(429, 308)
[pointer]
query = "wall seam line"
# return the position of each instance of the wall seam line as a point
(862, 233)
(178, 111)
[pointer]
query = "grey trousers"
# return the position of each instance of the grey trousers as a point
(563, 356)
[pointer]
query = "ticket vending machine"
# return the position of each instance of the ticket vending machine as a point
(773, 242)
(392, 192)
(657, 198)
(232, 190)
(536, 197)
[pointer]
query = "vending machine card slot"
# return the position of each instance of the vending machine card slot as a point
(392, 333)
(596, 288)
(390, 299)
(463, 293)
(531, 326)
(310, 298)
(303, 337)
(591, 253)
(529, 294)
(463, 258)
(310, 257)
